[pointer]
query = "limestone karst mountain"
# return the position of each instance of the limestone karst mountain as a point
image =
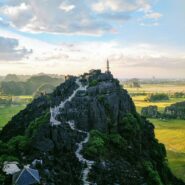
(86, 132)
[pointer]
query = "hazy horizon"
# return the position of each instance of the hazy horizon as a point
(141, 38)
(120, 78)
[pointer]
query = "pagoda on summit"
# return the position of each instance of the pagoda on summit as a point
(108, 67)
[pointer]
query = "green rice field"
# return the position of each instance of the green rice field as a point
(172, 134)
(169, 132)
(7, 112)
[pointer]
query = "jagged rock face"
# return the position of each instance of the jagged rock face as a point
(88, 110)
(100, 104)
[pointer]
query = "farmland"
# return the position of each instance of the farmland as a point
(139, 94)
(158, 88)
(7, 111)
(172, 134)
(140, 102)
(169, 132)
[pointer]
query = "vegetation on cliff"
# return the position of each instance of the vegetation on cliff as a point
(122, 143)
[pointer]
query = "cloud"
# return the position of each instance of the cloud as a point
(143, 54)
(130, 60)
(150, 17)
(115, 6)
(71, 16)
(66, 7)
(150, 62)
(11, 51)
(17, 16)
(163, 62)
(87, 55)
(153, 15)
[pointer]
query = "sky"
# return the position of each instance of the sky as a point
(141, 38)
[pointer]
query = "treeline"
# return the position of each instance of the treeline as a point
(174, 111)
(7, 101)
(15, 78)
(28, 87)
(163, 96)
(157, 97)
(178, 95)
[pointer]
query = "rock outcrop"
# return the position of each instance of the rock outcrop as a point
(175, 111)
(121, 143)
(150, 112)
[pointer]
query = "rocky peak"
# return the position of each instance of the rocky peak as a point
(97, 134)
(103, 102)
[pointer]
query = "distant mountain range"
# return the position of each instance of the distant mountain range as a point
(22, 78)
(28, 85)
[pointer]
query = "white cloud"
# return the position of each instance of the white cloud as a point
(66, 7)
(118, 5)
(17, 16)
(15, 10)
(71, 16)
(153, 15)
(150, 18)
(75, 58)
(10, 50)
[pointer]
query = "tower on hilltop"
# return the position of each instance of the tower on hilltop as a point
(108, 67)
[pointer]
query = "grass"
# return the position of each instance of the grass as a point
(176, 162)
(169, 132)
(157, 88)
(140, 102)
(26, 97)
(7, 112)
(172, 134)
